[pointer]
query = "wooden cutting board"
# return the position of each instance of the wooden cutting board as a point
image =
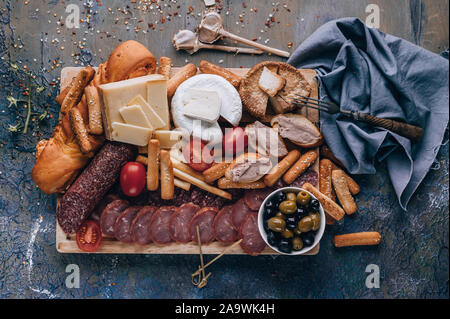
(67, 244)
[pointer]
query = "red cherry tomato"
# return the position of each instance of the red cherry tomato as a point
(132, 178)
(89, 236)
(235, 140)
(198, 155)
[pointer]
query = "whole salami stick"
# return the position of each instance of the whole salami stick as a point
(92, 185)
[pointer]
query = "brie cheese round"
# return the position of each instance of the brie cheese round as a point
(230, 109)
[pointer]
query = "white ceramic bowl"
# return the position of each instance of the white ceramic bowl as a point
(263, 233)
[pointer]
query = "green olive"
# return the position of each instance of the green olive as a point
(281, 215)
(287, 234)
(291, 196)
(316, 221)
(277, 224)
(288, 207)
(297, 231)
(303, 198)
(297, 243)
(305, 224)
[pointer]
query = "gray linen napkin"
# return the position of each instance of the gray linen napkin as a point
(367, 70)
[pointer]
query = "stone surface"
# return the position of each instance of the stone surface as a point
(413, 256)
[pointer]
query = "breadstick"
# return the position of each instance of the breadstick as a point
(94, 109)
(343, 193)
(165, 66)
(200, 184)
(167, 178)
(215, 172)
(305, 161)
(278, 170)
(357, 239)
(352, 185)
(182, 184)
(186, 169)
(79, 82)
(210, 68)
(154, 153)
(225, 183)
(142, 159)
(186, 72)
(61, 96)
(325, 170)
(330, 207)
(80, 131)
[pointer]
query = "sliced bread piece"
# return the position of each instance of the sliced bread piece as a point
(270, 82)
(298, 129)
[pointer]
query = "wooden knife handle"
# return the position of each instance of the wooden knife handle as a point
(412, 132)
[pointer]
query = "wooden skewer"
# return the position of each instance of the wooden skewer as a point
(218, 256)
(202, 279)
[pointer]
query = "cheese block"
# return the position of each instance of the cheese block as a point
(134, 115)
(130, 134)
(231, 105)
(168, 139)
(203, 105)
(157, 99)
(154, 119)
(118, 94)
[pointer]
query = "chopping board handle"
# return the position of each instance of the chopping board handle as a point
(409, 131)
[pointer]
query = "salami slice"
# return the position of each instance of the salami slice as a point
(252, 242)
(256, 197)
(223, 227)
(159, 226)
(140, 228)
(179, 222)
(95, 215)
(239, 211)
(110, 214)
(122, 228)
(204, 219)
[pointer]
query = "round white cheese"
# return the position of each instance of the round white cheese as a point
(230, 110)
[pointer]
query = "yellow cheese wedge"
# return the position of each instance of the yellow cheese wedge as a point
(155, 120)
(134, 115)
(157, 98)
(130, 134)
(168, 139)
(117, 94)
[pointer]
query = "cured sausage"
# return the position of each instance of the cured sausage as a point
(204, 219)
(223, 227)
(122, 228)
(179, 222)
(256, 197)
(140, 228)
(252, 242)
(239, 211)
(159, 226)
(110, 214)
(95, 215)
(92, 185)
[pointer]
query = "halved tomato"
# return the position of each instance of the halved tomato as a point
(89, 236)
(198, 156)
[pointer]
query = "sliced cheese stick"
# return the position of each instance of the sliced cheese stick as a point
(153, 165)
(167, 177)
(330, 207)
(357, 239)
(201, 184)
(343, 192)
(281, 168)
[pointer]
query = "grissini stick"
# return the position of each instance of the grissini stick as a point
(211, 29)
(357, 239)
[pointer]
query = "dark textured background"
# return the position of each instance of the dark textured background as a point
(413, 257)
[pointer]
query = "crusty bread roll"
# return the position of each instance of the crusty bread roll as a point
(59, 162)
(129, 60)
